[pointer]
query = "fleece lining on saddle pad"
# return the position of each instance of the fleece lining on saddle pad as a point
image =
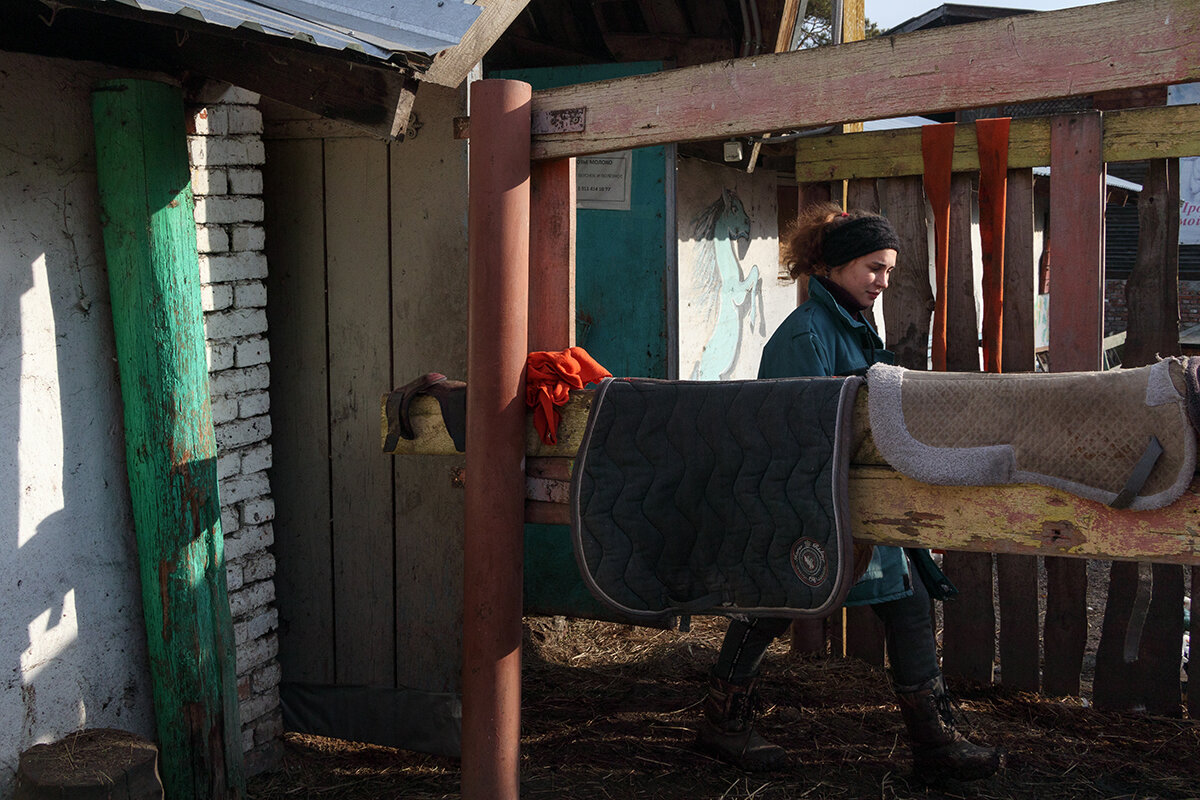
(1083, 432)
(716, 497)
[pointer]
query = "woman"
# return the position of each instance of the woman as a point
(849, 258)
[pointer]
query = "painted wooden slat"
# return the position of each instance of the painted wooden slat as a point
(170, 448)
(1130, 135)
(293, 179)
(429, 293)
(1076, 236)
(1152, 290)
(998, 62)
(552, 255)
(1017, 576)
(356, 246)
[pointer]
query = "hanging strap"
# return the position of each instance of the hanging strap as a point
(992, 138)
(937, 153)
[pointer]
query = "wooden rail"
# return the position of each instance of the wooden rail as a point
(1020, 59)
(1133, 135)
(1018, 518)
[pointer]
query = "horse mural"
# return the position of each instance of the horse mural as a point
(725, 302)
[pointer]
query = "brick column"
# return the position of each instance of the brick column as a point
(226, 150)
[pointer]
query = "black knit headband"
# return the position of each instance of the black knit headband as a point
(856, 237)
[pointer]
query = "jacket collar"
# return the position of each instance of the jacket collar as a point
(821, 295)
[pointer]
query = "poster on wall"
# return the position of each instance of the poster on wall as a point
(1189, 171)
(604, 181)
(730, 296)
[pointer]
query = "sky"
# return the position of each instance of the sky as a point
(889, 13)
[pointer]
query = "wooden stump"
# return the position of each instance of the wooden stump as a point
(99, 764)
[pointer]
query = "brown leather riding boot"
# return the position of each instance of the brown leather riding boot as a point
(939, 750)
(727, 729)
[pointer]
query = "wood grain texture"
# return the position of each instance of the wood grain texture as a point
(1012, 60)
(1131, 135)
(1148, 680)
(1019, 641)
(429, 293)
(357, 297)
(451, 66)
(1077, 196)
(552, 255)
(908, 301)
(170, 449)
(1152, 290)
(293, 188)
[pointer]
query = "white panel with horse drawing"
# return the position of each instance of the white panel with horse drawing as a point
(730, 296)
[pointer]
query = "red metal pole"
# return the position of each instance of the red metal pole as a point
(497, 319)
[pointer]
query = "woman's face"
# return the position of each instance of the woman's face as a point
(865, 277)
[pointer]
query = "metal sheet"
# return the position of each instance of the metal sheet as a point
(379, 28)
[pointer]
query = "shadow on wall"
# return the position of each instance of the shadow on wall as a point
(73, 637)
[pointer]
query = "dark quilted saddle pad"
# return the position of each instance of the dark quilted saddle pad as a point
(725, 497)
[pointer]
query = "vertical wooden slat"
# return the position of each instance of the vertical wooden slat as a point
(969, 619)
(170, 447)
(1077, 194)
(359, 349)
(1159, 655)
(908, 301)
(293, 186)
(863, 628)
(429, 293)
(1151, 292)
(1017, 576)
(552, 255)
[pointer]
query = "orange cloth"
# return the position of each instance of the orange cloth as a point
(549, 377)
(937, 151)
(992, 136)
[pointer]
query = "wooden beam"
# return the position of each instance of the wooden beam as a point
(889, 508)
(451, 66)
(1012, 60)
(171, 455)
(1132, 135)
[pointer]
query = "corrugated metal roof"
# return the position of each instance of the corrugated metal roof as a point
(379, 28)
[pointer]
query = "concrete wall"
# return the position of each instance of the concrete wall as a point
(72, 639)
(73, 630)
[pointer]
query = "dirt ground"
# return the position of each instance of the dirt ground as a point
(608, 712)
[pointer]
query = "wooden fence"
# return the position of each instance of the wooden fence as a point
(997, 618)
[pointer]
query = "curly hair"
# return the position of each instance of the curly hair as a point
(804, 239)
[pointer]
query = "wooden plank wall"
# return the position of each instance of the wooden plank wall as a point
(367, 291)
(972, 624)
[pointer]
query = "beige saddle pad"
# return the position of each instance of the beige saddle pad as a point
(1089, 433)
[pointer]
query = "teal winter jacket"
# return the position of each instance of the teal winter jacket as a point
(821, 338)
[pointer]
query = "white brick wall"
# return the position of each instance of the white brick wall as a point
(226, 149)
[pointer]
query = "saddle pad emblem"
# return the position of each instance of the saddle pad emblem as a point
(809, 562)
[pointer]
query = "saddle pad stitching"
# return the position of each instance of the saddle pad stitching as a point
(828, 471)
(931, 464)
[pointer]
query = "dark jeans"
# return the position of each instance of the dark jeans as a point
(911, 648)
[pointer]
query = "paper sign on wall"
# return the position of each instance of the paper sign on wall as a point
(604, 181)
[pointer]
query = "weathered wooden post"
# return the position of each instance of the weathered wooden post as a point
(154, 279)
